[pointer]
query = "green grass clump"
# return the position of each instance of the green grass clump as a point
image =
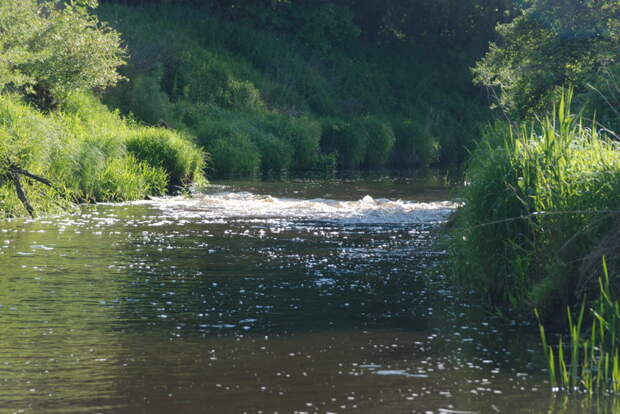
(89, 154)
(167, 150)
(127, 178)
(235, 156)
(539, 200)
(380, 142)
(301, 133)
(276, 154)
(362, 142)
(349, 140)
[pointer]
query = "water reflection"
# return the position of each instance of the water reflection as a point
(224, 303)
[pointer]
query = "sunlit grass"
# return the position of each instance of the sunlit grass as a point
(90, 154)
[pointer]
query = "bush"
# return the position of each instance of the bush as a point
(301, 133)
(537, 204)
(380, 142)
(146, 100)
(129, 179)
(414, 145)
(234, 156)
(165, 149)
(276, 154)
(351, 142)
(242, 95)
(50, 51)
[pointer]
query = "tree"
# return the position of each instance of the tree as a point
(552, 43)
(49, 48)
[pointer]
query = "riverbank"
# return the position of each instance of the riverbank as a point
(540, 213)
(58, 144)
(88, 154)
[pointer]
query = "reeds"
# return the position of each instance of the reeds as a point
(588, 362)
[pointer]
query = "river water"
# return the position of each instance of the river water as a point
(299, 297)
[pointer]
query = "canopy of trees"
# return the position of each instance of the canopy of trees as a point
(466, 22)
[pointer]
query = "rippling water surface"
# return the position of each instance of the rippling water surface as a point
(308, 297)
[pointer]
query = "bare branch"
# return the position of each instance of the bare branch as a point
(21, 194)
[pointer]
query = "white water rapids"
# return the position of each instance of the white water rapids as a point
(368, 210)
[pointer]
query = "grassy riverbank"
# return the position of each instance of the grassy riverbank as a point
(538, 232)
(89, 154)
(541, 207)
(58, 143)
(541, 210)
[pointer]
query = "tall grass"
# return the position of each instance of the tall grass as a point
(589, 362)
(541, 198)
(90, 154)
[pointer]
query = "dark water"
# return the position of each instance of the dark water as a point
(257, 298)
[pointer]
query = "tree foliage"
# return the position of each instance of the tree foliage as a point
(324, 24)
(552, 42)
(49, 48)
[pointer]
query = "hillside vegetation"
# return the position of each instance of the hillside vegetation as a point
(291, 88)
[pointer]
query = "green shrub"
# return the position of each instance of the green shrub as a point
(50, 51)
(147, 101)
(331, 131)
(211, 129)
(242, 95)
(186, 114)
(234, 156)
(327, 164)
(276, 154)
(87, 163)
(351, 142)
(302, 133)
(380, 142)
(414, 145)
(210, 76)
(129, 179)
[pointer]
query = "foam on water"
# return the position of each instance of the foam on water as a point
(368, 210)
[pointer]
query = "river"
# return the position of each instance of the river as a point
(297, 297)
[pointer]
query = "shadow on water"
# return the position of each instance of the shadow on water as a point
(248, 300)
